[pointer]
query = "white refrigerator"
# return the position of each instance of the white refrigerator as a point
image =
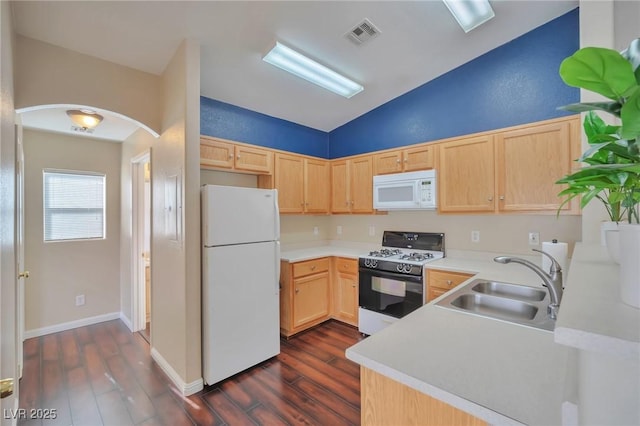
(240, 279)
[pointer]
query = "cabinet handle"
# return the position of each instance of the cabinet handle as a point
(352, 203)
(306, 204)
(449, 282)
(347, 203)
(313, 267)
(502, 197)
(353, 285)
(297, 290)
(230, 156)
(398, 161)
(238, 157)
(490, 198)
(406, 160)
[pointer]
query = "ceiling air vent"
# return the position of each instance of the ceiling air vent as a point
(363, 32)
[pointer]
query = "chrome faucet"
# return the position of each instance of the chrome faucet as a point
(552, 280)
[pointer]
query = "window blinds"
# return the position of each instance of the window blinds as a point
(74, 206)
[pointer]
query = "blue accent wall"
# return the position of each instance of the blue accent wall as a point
(227, 121)
(515, 83)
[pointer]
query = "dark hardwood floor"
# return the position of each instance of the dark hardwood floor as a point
(104, 375)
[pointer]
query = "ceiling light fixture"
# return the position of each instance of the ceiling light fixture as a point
(85, 118)
(296, 63)
(470, 13)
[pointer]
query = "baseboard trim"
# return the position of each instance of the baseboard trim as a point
(37, 332)
(185, 388)
(126, 321)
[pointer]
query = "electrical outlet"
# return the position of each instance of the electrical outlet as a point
(372, 231)
(475, 236)
(80, 300)
(339, 230)
(315, 230)
(534, 238)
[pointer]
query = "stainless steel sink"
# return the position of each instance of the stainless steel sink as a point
(496, 306)
(514, 303)
(512, 291)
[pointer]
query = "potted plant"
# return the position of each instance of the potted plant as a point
(612, 171)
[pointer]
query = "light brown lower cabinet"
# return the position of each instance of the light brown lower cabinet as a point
(439, 282)
(345, 288)
(304, 294)
(313, 291)
(387, 402)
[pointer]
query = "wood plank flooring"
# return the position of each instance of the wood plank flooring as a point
(104, 375)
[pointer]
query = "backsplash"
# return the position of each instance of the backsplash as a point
(498, 233)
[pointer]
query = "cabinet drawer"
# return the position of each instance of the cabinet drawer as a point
(300, 269)
(446, 280)
(348, 266)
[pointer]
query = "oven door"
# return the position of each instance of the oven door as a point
(390, 293)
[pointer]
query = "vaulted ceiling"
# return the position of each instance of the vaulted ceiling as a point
(418, 41)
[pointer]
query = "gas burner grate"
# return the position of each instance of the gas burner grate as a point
(385, 252)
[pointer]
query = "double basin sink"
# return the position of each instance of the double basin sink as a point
(515, 303)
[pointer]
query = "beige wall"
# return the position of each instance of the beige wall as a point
(48, 74)
(498, 233)
(137, 143)
(62, 270)
(175, 264)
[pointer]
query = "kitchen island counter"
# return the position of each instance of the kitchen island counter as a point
(495, 370)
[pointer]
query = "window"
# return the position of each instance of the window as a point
(74, 205)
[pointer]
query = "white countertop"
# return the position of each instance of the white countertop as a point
(592, 316)
(500, 372)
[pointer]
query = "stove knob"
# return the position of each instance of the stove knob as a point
(399, 267)
(374, 263)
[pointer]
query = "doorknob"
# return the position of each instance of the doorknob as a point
(24, 274)
(6, 388)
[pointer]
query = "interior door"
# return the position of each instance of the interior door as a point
(23, 274)
(8, 343)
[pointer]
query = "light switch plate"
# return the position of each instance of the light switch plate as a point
(475, 236)
(534, 238)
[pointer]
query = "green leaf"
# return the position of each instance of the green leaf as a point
(600, 70)
(630, 115)
(610, 107)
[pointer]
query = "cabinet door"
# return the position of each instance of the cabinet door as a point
(289, 172)
(387, 162)
(361, 172)
(466, 179)
(340, 202)
(530, 161)
(215, 153)
(347, 297)
(253, 159)
(440, 282)
(310, 298)
(317, 179)
(419, 158)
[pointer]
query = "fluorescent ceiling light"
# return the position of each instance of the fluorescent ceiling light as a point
(470, 13)
(289, 60)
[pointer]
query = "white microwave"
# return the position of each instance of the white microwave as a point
(405, 191)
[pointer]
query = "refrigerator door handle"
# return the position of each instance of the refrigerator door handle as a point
(277, 267)
(277, 213)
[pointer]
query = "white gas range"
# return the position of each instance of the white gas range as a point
(392, 279)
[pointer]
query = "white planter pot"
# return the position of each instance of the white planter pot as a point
(604, 227)
(630, 264)
(612, 237)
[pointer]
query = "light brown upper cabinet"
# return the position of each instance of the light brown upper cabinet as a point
(406, 160)
(466, 178)
(511, 171)
(530, 161)
(219, 154)
(352, 185)
(302, 184)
